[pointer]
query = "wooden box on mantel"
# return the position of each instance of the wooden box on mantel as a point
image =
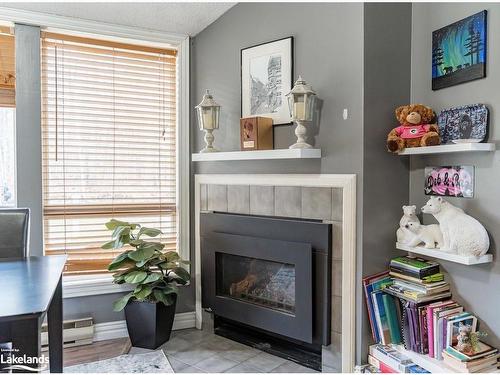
(256, 133)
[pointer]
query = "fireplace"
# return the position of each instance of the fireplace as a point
(268, 282)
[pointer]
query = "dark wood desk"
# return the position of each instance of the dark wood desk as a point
(32, 287)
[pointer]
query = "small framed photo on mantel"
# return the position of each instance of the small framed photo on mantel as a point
(266, 78)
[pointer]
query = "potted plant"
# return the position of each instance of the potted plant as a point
(155, 274)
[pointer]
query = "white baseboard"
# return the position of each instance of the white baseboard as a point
(118, 329)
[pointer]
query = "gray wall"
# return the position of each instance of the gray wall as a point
(477, 287)
(328, 54)
(335, 46)
(332, 65)
(385, 189)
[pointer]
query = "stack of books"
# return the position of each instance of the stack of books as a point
(484, 359)
(417, 283)
(417, 280)
(388, 359)
(411, 304)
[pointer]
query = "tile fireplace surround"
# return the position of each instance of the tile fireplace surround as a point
(329, 197)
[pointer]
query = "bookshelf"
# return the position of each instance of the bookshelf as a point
(297, 153)
(467, 260)
(423, 360)
(451, 148)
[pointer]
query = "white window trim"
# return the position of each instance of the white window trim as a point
(86, 285)
(91, 285)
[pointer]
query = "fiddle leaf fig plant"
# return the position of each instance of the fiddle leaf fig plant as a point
(154, 273)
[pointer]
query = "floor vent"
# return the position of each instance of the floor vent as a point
(75, 332)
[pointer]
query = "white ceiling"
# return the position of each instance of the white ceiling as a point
(184, 18)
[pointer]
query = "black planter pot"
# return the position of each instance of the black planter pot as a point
(149, 324)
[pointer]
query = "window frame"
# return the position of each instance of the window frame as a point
(10, 25)
(84, 285)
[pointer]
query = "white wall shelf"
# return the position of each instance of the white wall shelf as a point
(304, 153)
(430, 364)
(467, 260)
(445, 149)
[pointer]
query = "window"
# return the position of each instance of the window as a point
(7, 119)
(108, 144)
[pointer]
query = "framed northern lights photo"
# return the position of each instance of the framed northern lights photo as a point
(459, 52)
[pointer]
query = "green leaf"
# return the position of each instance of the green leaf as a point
(152, 245)
(125, 264)
(115, 263)
(170, 289)
(118, 243)
(135, 277)
(166, 299)
(123, 272)
(113, 223)
(125, 238)
(109, 245)
(121, 230)
(141, 254)
(172, 256)
(136, 242)
(144, 291)
(118, 277)
(170, 299)
(152, 277)
(155, 261)
(120, 304)
(167, 265)
(182, 273)
(159, 296)
(150, 232)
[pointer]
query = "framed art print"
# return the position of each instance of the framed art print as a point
(459, 52)
(455, 181)
(266, 77)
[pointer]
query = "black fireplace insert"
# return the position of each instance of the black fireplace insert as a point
(268, 282)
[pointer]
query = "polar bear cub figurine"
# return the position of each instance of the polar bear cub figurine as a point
(430, 235)
(403, 235)
(462, 234)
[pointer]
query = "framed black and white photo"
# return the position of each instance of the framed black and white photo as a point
(266, 77)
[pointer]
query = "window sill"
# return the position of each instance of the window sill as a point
(91, 285)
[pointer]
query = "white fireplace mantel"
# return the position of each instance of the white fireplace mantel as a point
(347, 182)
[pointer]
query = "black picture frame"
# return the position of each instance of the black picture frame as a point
(291, 79)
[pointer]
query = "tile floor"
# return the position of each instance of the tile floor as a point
(194, 350)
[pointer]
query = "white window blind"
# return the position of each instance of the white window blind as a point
(7, 118)
(108, 144)
(7, 68)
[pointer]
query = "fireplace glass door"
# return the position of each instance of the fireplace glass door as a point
(260, 282)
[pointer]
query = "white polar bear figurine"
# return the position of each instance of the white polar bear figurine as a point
(462, 234)
(403, 235)
(430, 235)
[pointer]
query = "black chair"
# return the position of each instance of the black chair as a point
(14, 232)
